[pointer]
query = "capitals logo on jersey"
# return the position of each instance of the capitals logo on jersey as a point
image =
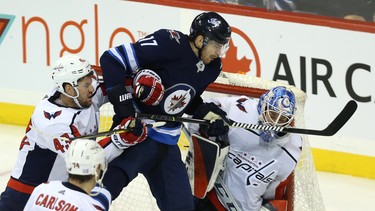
(256, 171)
(240, 105)
(177, 98)
(52, 115)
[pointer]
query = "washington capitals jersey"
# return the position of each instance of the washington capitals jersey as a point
(42, 151)
(254, 168)
(57, 195)
(168, 53)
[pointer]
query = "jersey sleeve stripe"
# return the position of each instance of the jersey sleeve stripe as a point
(290, 155)
(105, 142)
(130, 54)
(117, 56)
(19, 186)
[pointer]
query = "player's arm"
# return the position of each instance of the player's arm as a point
(279, 195)
(135, 130)
(212, 112)
(114, 70)
(122, 61)
(280, 192)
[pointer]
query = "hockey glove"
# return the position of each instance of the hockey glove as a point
(122, 102)
(136, 134)
(216, 116)
(148, 88)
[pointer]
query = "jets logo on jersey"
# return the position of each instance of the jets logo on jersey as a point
(178, 101)
(178, 97)
(174, 35)
(48, 115)
(239, 104)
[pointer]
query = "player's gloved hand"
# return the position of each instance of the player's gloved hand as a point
(136, 134)
(122, 102)
(148, 87)
(216, 116)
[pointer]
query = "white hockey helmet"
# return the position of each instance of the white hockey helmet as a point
(84, 156)
(69, 69)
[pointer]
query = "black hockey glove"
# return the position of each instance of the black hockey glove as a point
(216, 116)
(122, 102)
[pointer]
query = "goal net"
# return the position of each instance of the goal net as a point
(137, 196)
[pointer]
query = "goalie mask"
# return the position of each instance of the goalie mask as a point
(70, 69)
(84, 156)
(212, 27)
(276, 108)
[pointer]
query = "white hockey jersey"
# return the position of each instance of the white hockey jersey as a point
(57, 195)
(254, 168)
(41, 152)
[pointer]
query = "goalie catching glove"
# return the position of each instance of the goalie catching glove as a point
(147, 87)
(136, 134)
(216, 116)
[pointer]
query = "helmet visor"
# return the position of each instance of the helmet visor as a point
(220, 49)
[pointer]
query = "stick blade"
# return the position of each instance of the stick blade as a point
(341, 119)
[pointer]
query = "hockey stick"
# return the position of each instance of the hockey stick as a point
(104, 133)
(110, 132)
(330, 130)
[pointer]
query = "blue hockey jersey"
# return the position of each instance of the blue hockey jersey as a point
(168, 53)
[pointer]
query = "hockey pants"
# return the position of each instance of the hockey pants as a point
(163, 168)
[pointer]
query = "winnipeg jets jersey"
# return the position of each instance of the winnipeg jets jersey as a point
(42, 150)
(184, 76)
(254, 168)
(57, 195)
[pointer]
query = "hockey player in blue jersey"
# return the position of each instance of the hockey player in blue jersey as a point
(166, 72)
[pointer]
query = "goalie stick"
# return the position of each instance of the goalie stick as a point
(340, 120)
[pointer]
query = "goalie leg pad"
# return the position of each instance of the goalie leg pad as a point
(204, 161)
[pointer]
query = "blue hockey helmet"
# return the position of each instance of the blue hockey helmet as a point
(212, 26)
(277, 106)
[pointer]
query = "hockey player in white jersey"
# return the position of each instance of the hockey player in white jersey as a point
(86, 165)
(70, 110)
(257, 165)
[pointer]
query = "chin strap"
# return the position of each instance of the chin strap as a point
(75, 98)
(199, 50)
(77, 102)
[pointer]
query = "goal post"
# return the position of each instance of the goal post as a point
(306, 193)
